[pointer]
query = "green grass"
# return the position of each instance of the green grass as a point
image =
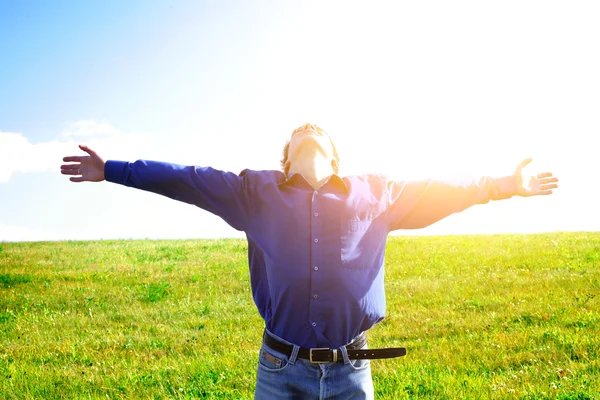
(483, 317)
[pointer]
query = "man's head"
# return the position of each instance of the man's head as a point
(309, 136)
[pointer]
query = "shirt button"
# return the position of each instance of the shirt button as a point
(316, 240)
(314, 324)
(316, 268)
(316, 214)
(316, 192)
(315, 295)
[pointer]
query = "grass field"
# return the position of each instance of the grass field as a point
(482, 317)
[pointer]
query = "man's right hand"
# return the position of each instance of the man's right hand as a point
(86, 168)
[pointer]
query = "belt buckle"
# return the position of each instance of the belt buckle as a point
(310, 357)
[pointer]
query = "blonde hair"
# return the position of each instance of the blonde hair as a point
(309, 127)
(335, 163)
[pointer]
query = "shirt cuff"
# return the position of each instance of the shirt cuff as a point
(507, 187)
(114, 171)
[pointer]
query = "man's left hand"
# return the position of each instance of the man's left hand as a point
(539, 184)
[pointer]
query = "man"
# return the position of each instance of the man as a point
(316, 244)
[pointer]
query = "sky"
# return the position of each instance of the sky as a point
(411, 90)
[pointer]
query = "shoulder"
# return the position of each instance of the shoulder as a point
(374, 184)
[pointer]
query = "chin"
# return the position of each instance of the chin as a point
(301, 146)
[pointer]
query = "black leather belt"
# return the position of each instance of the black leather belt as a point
(324, 355)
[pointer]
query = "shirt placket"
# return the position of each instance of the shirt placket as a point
(316, 277)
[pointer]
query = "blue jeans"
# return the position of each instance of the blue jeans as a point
(287, 377)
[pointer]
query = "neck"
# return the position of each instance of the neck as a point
(314, 167)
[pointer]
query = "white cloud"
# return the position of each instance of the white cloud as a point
(89, 129)
(18, 154)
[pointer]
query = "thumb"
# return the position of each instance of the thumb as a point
(88, 150)
(524, 163)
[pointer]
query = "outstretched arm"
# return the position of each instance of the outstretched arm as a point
(418, 204)
(219, 192)
(85, 168)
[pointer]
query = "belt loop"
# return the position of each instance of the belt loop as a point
(294, 355)
(345, 354)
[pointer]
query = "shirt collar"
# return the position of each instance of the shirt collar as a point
(298, 179)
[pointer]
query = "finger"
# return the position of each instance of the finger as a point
(77, 179)
(548, 180)
(70, 172)
(71, 166)
(524, 163)
(545, 187)
(73, 159)
(88, 150)
(543, 175)
(542, 193)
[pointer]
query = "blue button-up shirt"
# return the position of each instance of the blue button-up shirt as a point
(315, 256)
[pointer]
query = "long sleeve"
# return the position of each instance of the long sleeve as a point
(418, 204)
(221, 193)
